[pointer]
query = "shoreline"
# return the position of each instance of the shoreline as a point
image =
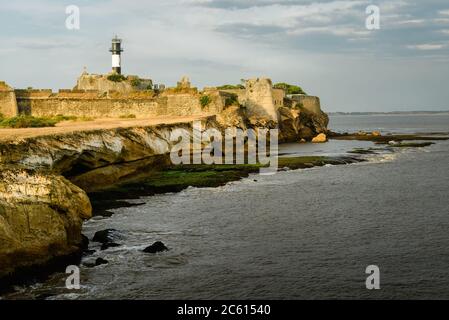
(178, 178)
(170, 183)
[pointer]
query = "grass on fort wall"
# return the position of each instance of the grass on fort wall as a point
(26, 121)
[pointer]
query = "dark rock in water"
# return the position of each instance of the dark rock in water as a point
(156, 247)
(98, 262)
(84, 242)
(101, 261)
(88, 252)
(104, 236)
(107, 245)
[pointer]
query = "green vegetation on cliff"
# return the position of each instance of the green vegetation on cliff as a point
(205, 100)
(289, 88)
(26, 121)
(231, 100)
(231, 87)
(115, 77)
(136, 82)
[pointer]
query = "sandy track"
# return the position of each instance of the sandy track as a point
(76, 126)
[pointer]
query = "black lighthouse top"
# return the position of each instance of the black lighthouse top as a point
(116, 46)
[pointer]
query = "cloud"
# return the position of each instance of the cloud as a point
(410, 22)
(427, 47)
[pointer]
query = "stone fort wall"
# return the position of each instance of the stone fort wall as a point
(92, 103)
(8, 104)
(310, 103)
(259, 98)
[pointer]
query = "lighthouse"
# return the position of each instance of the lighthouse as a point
(116, 50)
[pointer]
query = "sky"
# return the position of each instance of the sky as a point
(323, 46)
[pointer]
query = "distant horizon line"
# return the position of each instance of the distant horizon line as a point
(386, 112)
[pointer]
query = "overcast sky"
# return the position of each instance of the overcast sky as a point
(323, 46)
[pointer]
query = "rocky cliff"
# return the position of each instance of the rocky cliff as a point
(301, 121)
(41, 216)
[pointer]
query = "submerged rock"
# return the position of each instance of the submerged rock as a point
(98, 262)
(87, 253)
(156, 247)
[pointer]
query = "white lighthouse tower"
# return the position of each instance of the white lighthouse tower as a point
(116, 50)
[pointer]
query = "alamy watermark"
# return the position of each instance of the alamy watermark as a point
(72, 22)
(372, 21)
(251, 146)
(73, 280)
(373, 280)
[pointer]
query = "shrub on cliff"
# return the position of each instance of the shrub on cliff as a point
(115, 77)
(136, 82)
(289, 88)
(231, 100)
(205, 101)
(231, 87)
(24, 121)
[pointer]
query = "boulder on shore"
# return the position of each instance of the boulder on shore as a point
(321, 138)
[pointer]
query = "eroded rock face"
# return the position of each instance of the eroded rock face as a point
(297, 123)
(41, 216)
(97, 159)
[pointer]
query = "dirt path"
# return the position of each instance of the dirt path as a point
(73, 126)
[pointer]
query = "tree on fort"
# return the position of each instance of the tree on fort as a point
(289, 88)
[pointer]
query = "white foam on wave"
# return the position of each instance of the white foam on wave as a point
(382, 158)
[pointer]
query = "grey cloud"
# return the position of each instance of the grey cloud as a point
(246, 30)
